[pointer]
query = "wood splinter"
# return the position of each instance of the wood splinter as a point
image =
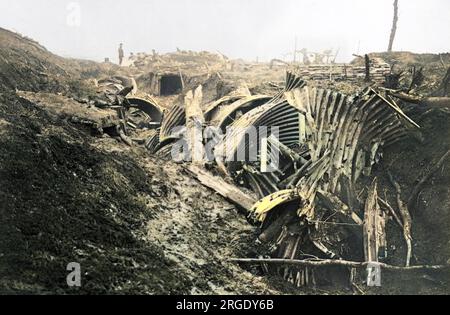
(406, 218)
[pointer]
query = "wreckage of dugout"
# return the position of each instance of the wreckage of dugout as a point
(320, 207)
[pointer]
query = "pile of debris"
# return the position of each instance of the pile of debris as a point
(321, 172)
(300, 163)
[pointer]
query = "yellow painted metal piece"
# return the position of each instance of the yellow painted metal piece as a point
(268, 203)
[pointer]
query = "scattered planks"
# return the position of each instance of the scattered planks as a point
(245, 200)
(374, 227)
(332, 262)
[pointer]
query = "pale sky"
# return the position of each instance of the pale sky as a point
(92, 29)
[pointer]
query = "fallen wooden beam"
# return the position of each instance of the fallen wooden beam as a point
(243, 199)
(333, 262)
(395, 107)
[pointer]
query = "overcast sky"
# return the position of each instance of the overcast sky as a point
(248, 29)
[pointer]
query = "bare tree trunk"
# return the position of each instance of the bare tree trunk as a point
(394, 26)
(367, 62)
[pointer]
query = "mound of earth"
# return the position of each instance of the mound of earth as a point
(28, 66)
(134, 224)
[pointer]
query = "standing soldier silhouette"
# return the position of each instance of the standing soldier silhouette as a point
(121, 54)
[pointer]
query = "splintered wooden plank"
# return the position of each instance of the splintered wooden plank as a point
(374, 227)
(244, 199)
(285, 150)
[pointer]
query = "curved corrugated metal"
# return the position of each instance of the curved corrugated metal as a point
(172, 118)
(148, 106)
(152, 141)
(213, 107)
(277, 112)
(227, 114)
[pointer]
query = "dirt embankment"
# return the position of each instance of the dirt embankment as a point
(134, 224)
(26, 65)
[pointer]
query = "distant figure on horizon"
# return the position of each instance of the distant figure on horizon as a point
(121, 54)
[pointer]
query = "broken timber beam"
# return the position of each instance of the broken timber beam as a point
(274, 230)
(333, 262)
(245, 200)
(374, 227)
